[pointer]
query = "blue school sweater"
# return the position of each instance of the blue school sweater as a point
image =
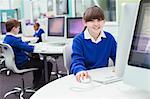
(39, 35)
(88, 55)
(19, 47)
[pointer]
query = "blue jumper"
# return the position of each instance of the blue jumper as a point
(20, 48)
(39, 35)
(88, 55)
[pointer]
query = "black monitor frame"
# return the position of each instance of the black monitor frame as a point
(20, 30)
(2, 28)
(139, 58)
(62, 33)
(69, 35)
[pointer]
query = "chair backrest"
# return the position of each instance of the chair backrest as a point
(43, 37)
(67, 51)
(110, 63)
(9, 56)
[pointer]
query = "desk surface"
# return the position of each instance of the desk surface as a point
(24, 38)
(68, 88)
(47, 48)
(29, 39)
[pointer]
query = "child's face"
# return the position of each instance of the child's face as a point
(16, 30)
(95, 25)
(35, 27)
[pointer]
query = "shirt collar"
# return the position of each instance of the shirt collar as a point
(37, 30)
(88, 36)
(11, 34)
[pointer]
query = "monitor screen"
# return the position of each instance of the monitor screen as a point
(56, 26)
(20, 28)
(140, 48)
(3, 28)
(74, 26)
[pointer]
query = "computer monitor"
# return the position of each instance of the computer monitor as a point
(125, 33)
(20, 32)
(137, 72)
(74, 26)
(3, 28)
(56, 26)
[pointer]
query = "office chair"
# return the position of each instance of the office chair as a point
(110, 63)
(2, 64)
(3, 68)
(10, 64)
(67, 51)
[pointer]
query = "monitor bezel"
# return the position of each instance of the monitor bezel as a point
(20, 30)
(139, 15)
(48, 32)
(1, 28)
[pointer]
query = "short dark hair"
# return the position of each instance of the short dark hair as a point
(37, 24)
(93, 12)
(12, 23)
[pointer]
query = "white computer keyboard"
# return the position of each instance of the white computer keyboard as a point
(108, 79)
(105, 75)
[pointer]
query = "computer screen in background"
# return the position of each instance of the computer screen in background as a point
(56, 31)
(3, 28)
(20, 32)
(74, 26)
(56, 26)
(137, 72)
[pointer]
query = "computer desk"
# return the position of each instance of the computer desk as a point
(24, 38)
(47, 49)
(64, 88)
(29, 39)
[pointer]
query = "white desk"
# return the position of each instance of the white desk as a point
(24, 38)
(46, 49)
(29, 39)
(63, 89)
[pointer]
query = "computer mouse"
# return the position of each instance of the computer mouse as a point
(85, 84)
(85, 80)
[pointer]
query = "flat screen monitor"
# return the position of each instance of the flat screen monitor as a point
(137, 72)
(56, 26)
(125, 34)
(74, 26)
(20, 32)
(3, 28)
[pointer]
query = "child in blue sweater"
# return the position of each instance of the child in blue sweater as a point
(20, 48)
(38, 32)
(93, 47)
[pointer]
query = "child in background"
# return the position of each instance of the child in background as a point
(22, 59)
(38, 32)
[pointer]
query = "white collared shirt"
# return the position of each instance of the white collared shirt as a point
(37, 30)
(88, 36)
(8, 33)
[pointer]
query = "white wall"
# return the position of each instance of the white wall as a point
(27, 9)
(4, 4)
(112, 27)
